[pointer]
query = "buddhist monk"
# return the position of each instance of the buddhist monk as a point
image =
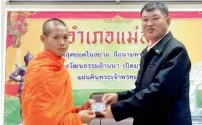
(47, 94)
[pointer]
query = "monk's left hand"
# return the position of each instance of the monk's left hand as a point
(107, 113)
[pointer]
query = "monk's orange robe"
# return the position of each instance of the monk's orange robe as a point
(47, 93)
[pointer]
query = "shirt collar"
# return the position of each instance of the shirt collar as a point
(151, 46)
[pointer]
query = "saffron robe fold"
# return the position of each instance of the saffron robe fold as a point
(47, 93)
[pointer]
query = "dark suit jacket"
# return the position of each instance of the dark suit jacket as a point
(161, 96)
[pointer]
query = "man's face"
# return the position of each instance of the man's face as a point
(57, 40)
(155, 24)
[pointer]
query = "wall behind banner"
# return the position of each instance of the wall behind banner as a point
(184, 30)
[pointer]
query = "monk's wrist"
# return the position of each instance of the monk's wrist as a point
(78, 109)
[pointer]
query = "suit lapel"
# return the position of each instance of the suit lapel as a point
(142, 62)
(157, 50)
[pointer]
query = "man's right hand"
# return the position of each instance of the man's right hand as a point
(110, 98)
(86, 116)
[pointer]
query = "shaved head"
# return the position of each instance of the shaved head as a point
(54, 22)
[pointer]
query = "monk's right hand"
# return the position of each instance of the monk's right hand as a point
(110, 98)
(86, 116)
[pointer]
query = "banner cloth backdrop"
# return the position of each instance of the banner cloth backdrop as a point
(104, 53)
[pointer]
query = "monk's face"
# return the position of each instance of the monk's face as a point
(56, 41)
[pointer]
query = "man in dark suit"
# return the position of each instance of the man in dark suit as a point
(161, 96)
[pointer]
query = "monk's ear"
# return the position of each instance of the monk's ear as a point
(43, 38)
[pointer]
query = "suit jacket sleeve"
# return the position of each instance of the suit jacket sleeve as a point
(126, 94)
(164, 86)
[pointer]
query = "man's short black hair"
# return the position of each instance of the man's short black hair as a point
(156, 6)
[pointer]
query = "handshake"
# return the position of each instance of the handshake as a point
(89, 108)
